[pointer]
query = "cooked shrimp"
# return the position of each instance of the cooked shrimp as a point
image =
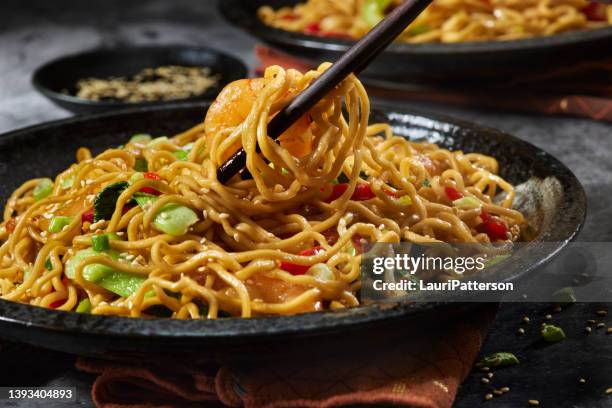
(232, 107)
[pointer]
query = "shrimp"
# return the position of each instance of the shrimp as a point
(232, 107)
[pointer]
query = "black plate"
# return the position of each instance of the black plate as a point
(61, 74)
(435, 61)
(46, 149)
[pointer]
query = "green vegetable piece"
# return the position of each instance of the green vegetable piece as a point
(157, 141)
(175, 219)
(43, 189)
(373, 11)
(143, 199)
(181, 154)
(140, 138)
(48, 264)
(564, 296)
(469, 202)
(496, 259)
(106, 200)
(122, 283)
(141, 164)
(84, 306)
(552, 333)
(502, 359)
(100, 242)
(419, 29)
(426, 183)
(91, 272)
(136, 177)
(57, 224)
(67, 182)
(405, 200)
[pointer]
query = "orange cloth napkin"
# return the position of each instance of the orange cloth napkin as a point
(583, 89)
(414, 365)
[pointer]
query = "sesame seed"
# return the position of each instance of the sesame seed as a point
(120, 233)
(591, 321)
(609, 391)
(205, 190)
(205, 213)
(582, 381)
(601, 313)
(557, 309)
(488, 397)
(485, 368)
(130, 257)
(201, 269)
(609, 331)
(164, 215)
(533, 403)
(526, 319)
(600, 326)
(588, 330)
(521, 331)
(490, 375)
(484, 380)
(224, 216)
(497, 392)
(548, 317)
(505, 389)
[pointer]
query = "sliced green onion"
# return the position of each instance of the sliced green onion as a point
(564, 295)
(136, 177)
(140, 138)
(141, 164)
(467, 202)
(67, 183)
(321, 271)
(373, 11)
(84, 306)
(552, 334)
(181, 154)
(43, 189)
(100, 242)
(175, 219)
(57, 224)
(405, 200)
(143, 199)
(501, 359)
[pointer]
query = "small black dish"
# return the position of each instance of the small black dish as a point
(54, 78)
(435, 62)
(557, 212)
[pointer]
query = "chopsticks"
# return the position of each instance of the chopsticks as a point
(355, 59)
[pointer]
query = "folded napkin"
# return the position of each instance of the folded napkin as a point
(583, 89)
(414, 366)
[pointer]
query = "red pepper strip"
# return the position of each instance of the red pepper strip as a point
(337, 191)
(363, 192)
(88, 216)
(595, 11)
(312, 28)
(149, 190)
(151, 175)
(495, 228)
(484, 215)
(296, 269)
(452, 193)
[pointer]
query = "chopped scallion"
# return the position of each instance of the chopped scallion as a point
(43, 189)
(57, 224)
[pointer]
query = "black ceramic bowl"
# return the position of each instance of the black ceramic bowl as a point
(59, 76)
(551, 196)
(439, 62)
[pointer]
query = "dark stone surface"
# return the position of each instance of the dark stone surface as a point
(32, 32)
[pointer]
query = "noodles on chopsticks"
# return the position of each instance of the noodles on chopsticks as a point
(146, 228)
(446, 21)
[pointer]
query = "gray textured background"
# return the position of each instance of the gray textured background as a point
(32, 32)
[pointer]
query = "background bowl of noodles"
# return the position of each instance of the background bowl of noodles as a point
(482, 60)
(549, 195)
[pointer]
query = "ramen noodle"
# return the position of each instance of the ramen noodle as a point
(446, 21)
(147, 229)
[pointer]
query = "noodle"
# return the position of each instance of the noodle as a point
(446, 21)
(285, 241)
